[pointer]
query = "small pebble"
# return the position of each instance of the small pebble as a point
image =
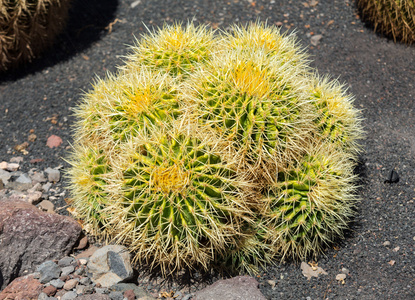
(85, 281)
(70, 284)
(100, 290)
(50, 290)
(57, 283)
(67, 270)
(116, 295)
(69, 296)
(386, 243)
(66, 261)
(42, 296)
(345, 271)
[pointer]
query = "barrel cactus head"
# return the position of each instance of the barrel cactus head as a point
(174, 49)
(28, 27)
(256, 102)
(180, 201)
(311, 202)
(395, 18)
(127, 105)
(338, 122)
(270, 40)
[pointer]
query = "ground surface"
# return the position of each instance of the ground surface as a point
(378, 72)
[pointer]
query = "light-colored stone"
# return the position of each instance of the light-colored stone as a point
(38, 177)
(16, 159)
(110, 265)
(34, 197)
(240, 287)
(3, 165)
(67, 270)
(53, 175)
(12, 167)
(69, 295)
(70, 284)
(46, 187)
(47, 206)
(5, 176)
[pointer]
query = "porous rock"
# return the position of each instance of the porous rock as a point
(110, 265)
(138, 291)
(240, 287)
(26, 287)
(30, 237)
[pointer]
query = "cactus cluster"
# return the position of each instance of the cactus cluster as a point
(394, 18)
(209, 150)
(27, 27)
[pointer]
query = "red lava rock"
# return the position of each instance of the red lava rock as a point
(21, 288)
(53, 141)
(64, 278)
(50, 290)
(87, 253)
(30, 237)
(129, 294)
(82, 243)
(36, 160)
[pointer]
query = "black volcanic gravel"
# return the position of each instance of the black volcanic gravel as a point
(380, 73)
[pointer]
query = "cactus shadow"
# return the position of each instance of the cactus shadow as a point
(85, 25)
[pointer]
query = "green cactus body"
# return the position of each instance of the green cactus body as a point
(90, 176)
(181, 203)
(337, 120)
(311, 203)
(28, 27)
(270, 40)
(125, 106)
(253, 102)
(394, 18)
(173, 49)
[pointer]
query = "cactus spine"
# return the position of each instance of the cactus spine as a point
(28, 27)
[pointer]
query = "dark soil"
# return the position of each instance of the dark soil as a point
(380, 73)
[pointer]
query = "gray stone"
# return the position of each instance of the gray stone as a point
(48, 271)
(93, 297)
(57, 283)
(53, 175)
(36, 188)
(85, 281)
(46, 187)
(69, 295)
(84, 289)
(101, 290)
(38, 177)
(12, 167)
(67, 270)
(110, 265)
(138, 290)
(116, 295)
(42, 296)
(240, 287)
(22, 183)
(5, 176)
(66, 261)
(30, 237)
(52, 298)
(16, 159)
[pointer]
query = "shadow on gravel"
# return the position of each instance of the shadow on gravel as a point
(86, 24)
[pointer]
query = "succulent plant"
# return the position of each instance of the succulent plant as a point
(174, 49)
(337, 120)
(269, 39)
(394, 18)
(27, 27)
(90, 178)
(256, 102)
(126, 105)
(311, 202)
(180, 199)
(215, 151)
